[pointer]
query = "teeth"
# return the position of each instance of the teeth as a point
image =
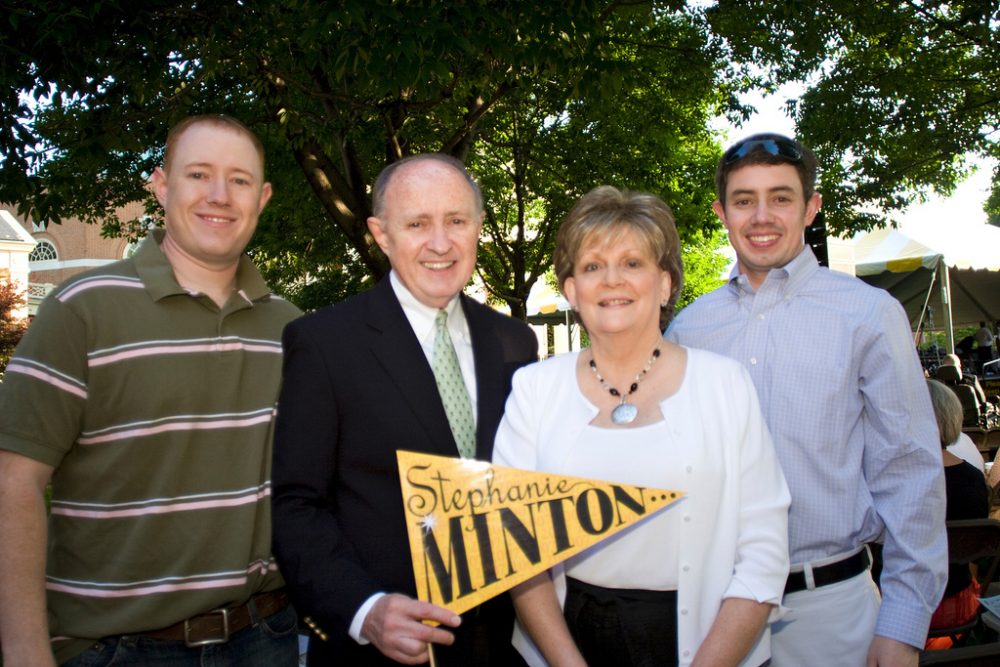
(617, 302)
(437, 265)
(763, 239)
(214, 219)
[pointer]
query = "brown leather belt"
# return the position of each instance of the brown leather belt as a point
(218, 625)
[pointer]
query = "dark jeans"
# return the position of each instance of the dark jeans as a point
(622, 627)
(271, 643)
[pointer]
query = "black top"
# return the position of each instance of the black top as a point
(968, 498)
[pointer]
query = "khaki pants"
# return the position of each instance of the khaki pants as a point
(832, 626)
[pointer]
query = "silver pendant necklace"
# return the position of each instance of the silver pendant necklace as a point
(624, 412)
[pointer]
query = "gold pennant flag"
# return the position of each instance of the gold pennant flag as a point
(478, 529)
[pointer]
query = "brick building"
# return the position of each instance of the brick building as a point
(63, 250)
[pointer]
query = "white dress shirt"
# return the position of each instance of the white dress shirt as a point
(421, 318)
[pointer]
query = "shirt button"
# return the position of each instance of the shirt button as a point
(689, 469)
(684, 612)
(686, 568)
(687, 518)
(753, 361)
(761, 316)
(687, 653)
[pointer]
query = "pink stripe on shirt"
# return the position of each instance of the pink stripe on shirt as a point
(183, 349)
(155, 588)
(188, 506)
(16, 367)
(175, 426)
(101, 282)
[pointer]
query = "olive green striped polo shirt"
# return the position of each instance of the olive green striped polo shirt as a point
(156, 408)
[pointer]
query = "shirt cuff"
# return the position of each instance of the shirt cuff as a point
(906, 624)
(359, 619)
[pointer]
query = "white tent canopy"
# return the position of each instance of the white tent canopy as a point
(954, 282)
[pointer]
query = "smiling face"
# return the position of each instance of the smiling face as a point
(766, 215)
(429, 229)
(616, 285)
(212, 192)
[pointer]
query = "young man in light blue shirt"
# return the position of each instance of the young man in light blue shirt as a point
(843, 394)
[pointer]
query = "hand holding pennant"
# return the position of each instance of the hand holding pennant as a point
(478, 529)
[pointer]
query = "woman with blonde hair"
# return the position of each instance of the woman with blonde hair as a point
(695, 583)
(968, 498)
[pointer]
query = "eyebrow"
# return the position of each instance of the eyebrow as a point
(210, 165)
(447, 214)
(748, 191)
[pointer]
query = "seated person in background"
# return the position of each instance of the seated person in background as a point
(695, 583)
(967, 378)
(985, 407)
(967, 498)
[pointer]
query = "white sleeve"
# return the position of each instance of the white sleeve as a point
(762, 545)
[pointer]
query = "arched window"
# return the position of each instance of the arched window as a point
(44, 251)
(129, 250)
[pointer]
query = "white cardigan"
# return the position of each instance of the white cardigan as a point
(734, 529)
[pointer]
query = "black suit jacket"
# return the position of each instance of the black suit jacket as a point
(357, 387)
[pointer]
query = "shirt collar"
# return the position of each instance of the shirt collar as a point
(796, 274)
(422, 316)
(157, 274)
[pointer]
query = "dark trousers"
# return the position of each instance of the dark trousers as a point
(622, 627)
(483, 640)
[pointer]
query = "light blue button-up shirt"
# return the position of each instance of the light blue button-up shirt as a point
(842, 391)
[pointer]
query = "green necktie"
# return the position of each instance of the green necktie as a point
(451, 387)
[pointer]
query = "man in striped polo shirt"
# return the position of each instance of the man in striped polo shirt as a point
(145, 391)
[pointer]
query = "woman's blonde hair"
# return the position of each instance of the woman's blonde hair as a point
(948, 410)
(603, 215)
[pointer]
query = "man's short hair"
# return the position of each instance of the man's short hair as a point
(382, 182)
(218, 120)
(767, 148)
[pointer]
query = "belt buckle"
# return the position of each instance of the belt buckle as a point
(211, 640)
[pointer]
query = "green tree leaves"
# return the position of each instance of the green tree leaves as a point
(900, 92)
(544, 101)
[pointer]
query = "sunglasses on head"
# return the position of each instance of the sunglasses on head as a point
(783, 148)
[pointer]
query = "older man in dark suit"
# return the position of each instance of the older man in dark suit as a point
(411, 364)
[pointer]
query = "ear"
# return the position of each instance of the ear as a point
(720, 211)
(665, 286)
(378, 233)
(160, 186)
(265, 196)
(813, 206)
(569, 291)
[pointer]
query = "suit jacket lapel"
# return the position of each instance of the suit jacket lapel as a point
(397, 349)
(487, 351)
